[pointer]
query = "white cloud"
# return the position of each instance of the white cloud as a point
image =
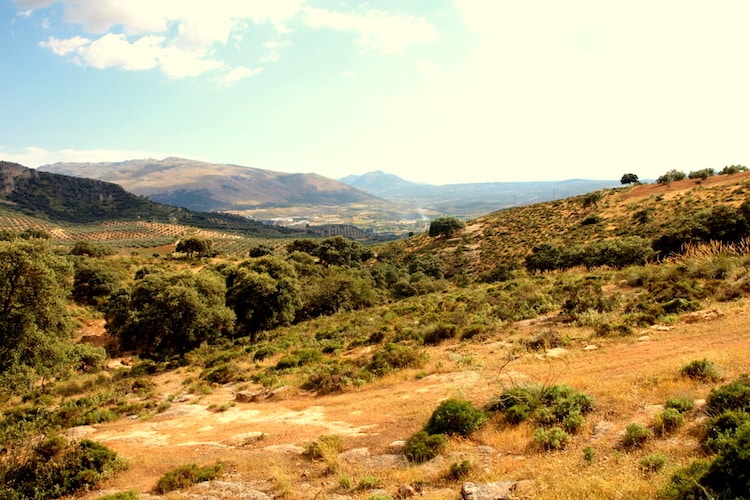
(34, 156)
(237, 74)
(178, 36)
(65, 47)
(377, 30)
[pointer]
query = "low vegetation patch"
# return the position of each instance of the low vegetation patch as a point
(185, 476)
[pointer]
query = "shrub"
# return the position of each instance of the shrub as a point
(653, 462)
(323, 446)
(682, 405)
(554, 405)
(722, 428)
(685, 482)
(729, 474)
(551, 439)
(55, 468)
(223, 373)
(334, 377)
(703, 370)
(368, 483)
(122, 495)
(668, 421)
(445, 226)
(394, 357)
(185, 476)
(422, 446)
(732, 396)
(455, 416)
(439, 333)
(635, 436)
(459, 470)
(589, 455)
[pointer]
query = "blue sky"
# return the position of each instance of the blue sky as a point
(438, 91)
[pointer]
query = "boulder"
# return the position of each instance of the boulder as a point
(502, 490)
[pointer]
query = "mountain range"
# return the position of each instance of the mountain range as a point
(266, 194)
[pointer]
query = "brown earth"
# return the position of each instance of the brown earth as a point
(261, 443)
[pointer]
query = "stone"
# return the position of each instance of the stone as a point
(501, 490)
(406, 491)
(247, 396)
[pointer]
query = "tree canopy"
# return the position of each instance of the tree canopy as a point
(445, 226)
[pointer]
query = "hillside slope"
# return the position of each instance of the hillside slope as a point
(206, 186)
(68, 199)
(646, 211)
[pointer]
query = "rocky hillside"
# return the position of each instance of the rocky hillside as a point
(68, 199)
(206, 186)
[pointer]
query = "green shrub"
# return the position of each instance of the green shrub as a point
(223, 373)
(729, 474)
(185, 476)
(653, 462)
(455, 416)
(422, 446)
(394, 357)
(551, 439)
(459, 470)
(722, 428)
(589, 455)
(547, 406)
(439, 333)
(682, 405)
(635, 436)
(685, 483)
(334, 377)
(668, 421)
(732, 396)
(123, 495)
(703, 370)
(55, 468)
(368, 483)
(323, 446)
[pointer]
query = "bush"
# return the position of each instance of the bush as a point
(550, 406)
(551, 439)
(722, 428)
(55, 468)
(422, 446)
(455, 416)
(445, 226)
(685, 484)
(703, 370)
(459, 471)
(653, 462)
(732, 396)
(394, 357)
(682, 405)
(635, 436)
(668, 421)
(729, 474)
(186, 476)
(439, 333)
(323, 446)
(334, 377)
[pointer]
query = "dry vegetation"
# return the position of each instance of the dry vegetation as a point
(322, 408)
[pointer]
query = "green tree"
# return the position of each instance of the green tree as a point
(340, 251)
(163, 315)
(628, 179)
(445, 226)
(263, 293)
(671, 176)
(341, 289)
(194, 246)
(93, 281)
(34, 324)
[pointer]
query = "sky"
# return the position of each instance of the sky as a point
(436, 91)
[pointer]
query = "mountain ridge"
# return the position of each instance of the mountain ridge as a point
(205, 186)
